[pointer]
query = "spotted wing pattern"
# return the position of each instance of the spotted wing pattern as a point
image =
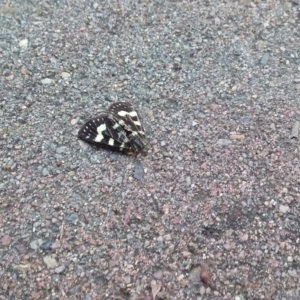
(120, 128)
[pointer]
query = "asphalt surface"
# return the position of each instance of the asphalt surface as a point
(212, 211)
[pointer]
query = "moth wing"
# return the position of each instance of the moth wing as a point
(100, 131)
(128, 118)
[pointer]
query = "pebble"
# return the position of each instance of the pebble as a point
(194, 275)
(34, 245)
(74, 121)
(65, 75)
(188, 181)
(138, 171)
(60, 150)
(265, 58)
(94, 159)
(46, 245)
(83, 144)
(224, 142)
(23, 44)
(202, 290)
(160, 239)
(46, 81)
(72, 218)
(158, 275)
(21, 249)
(113, 156)
(119, 180)
(59, 269)
(45, 172)
(283, 208)
(6, 240)
(50, 261)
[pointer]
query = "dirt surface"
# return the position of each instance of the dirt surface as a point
(216, 212)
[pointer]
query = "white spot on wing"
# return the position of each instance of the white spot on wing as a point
(123, 113)
(99, 136)
(101, 128)
(111, 142)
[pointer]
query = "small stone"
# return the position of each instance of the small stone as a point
(46, 81)
(194, 275)
(47, 244)
(265, 58)
(290, 259)
(292, 273)
(188, 181)
(163, 143)
(21, 249)
(180, 277)
(160, 239)
(6, 240)
(24, 70)
(202, 290)
(45, 172)
(224, 142)
(60, 150)
(83, 144)
(23, 44)
(72, 218)
(50, 262)
(65, 75)
(127, 279)
(94, 159)
(36, 244)
(283, 208)
(59, 269)
(239, 137)
(158, 275)
(138, 171)
(119, 180)
(244, 237)
(74, 121)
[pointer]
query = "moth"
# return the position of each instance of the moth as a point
(119, 128)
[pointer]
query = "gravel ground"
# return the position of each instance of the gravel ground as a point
(216, 212)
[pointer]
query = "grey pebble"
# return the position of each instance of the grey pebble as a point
(138, 171)
(160, 239)
(50, 261)
(45, 172)
(72, 218)
(224, 142)
(265, 58)
(34, 245)
(60, 269)
(46, 81)
(283, 208)
(119, 180)
(113, 156)
(47, 244)
(60, 150)
(188, 181)
(94, 159)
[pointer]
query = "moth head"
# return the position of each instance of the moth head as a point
(138, 144)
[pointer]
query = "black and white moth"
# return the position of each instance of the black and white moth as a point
(119, 128)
